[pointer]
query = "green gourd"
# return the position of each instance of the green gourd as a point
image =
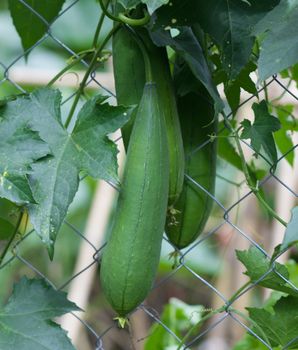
(131, 256)
(129, 75)
(188, 216)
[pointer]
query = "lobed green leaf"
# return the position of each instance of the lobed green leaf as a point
(25, 321)
(261, 131)
(54, 179)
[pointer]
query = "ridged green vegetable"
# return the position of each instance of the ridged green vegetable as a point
(190, 213)
(130, 259)
(129, 75)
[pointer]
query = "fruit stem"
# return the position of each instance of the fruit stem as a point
(88, 72)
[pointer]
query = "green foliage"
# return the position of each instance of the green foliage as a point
(177, 316)
(6, 229)
(279, 47)
(20, 146)
(31, 26)
(226, 148)
(272, 306)
(129, 4)
(282, 138)
(291, 234)
(242, 81)
(9, 214)
(86, 148)
(152, 5)
(279, 327)
(177, 13)
(250, 342)
(261, 131)
(25, 321)
(258, 266)
(229, 23)
(188, 47)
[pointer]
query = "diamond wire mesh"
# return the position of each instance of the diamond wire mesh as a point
(227, 312)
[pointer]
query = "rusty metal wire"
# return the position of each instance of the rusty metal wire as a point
(227, 310)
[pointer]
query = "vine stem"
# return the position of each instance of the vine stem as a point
(248, 178)
(81, 57)
(266, 92)
(99, 25)
(240, 290)
(64, 70)
(134, 21)
(124, 19)
(3, 254)
(89, 70)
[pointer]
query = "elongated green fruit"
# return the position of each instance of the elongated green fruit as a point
(129, 74)
(167, 99)
(130, 259)
(189, 215)
(129, 80)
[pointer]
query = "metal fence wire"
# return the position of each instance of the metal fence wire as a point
(226, 220)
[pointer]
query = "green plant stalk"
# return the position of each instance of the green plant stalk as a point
(64, 70)
(107, 13)
(266, 92)
(81, 57)
(3, 254)
(99, 26)
(240, 290)
(248, 178)
(134, 22)
(89, 70)
(124, 19)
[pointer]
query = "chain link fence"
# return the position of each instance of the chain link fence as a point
(225, 220)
